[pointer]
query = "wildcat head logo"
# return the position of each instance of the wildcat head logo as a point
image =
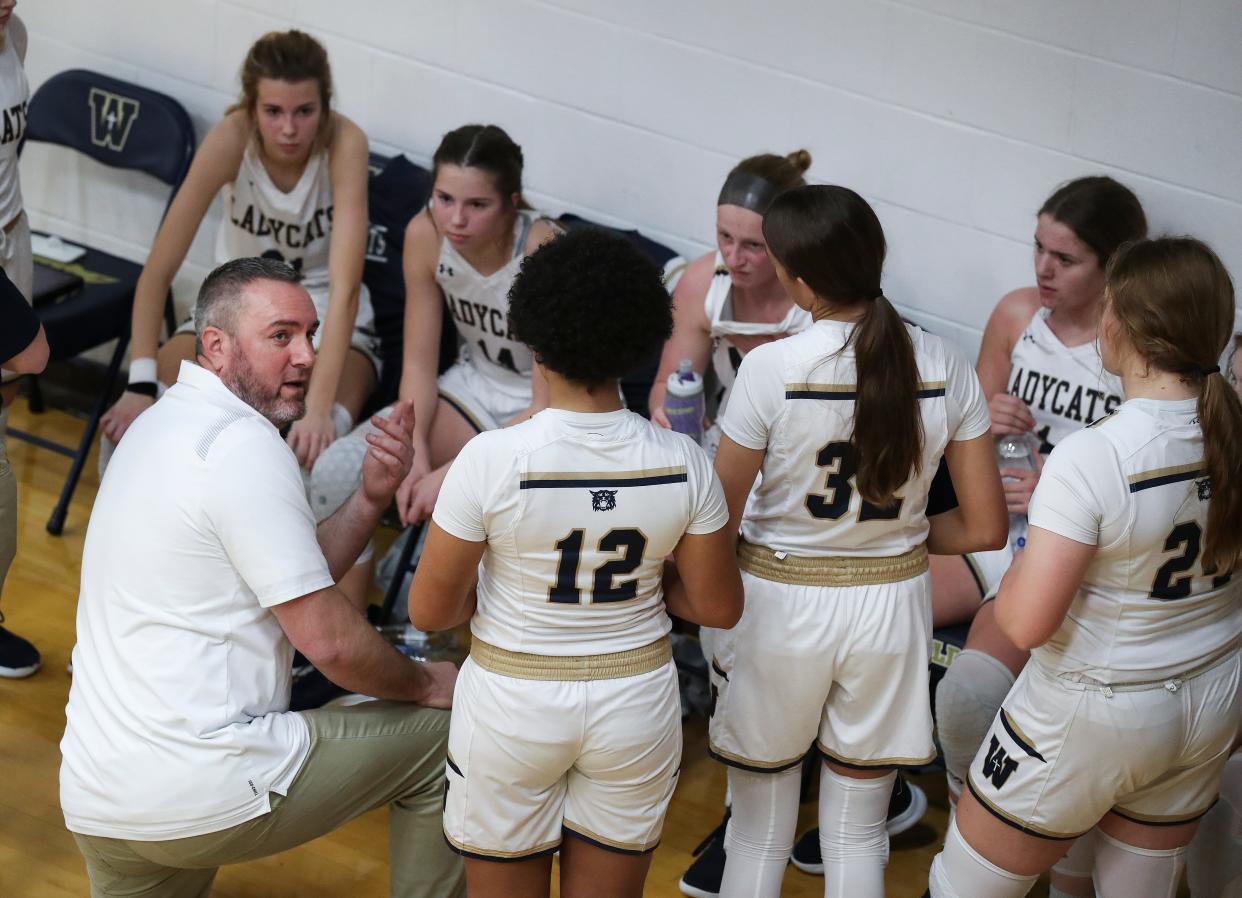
(603, 500)
(1205, 489)
(112, 116)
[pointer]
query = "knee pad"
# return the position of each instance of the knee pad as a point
(1122, 870)
(961, 872)
(337, 473)
(760, 834)
(853, 839)
(967, 700)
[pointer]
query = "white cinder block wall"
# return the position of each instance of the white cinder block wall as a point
(954, 117)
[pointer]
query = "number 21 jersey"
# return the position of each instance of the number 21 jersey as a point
(579, 512)
(1133, 484)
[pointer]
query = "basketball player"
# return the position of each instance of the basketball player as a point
(567, 728)
(460, 253)
(1127, 712)
(1040, 367)
(729, 301)
(18, 657)
(846, 421)
(295, 179)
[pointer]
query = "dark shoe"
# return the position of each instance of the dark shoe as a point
(18, 658)
(702, 878)
(906, 807)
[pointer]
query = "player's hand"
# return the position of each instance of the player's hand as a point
(1019, 484)
(419, 469)
(309, 436)
(658, 417)
(390, 453)
(117, 419)
(421, 498)
(1010, 415)
(439, 678)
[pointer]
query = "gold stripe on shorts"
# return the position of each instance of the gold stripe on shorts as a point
(609, 666)
(798, 570)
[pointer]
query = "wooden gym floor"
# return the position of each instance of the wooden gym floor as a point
(38, 858)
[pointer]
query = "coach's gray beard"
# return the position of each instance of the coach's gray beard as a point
(243, 384)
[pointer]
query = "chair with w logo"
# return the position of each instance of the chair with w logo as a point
(86, 302)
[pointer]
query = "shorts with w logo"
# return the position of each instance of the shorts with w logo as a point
(1063, 753)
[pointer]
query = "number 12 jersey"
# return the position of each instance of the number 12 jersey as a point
(579, 512)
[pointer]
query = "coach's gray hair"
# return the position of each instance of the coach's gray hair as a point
(219, 299)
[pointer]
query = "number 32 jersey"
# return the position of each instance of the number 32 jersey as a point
(579, 512)
(795, 398)
(1133, 484)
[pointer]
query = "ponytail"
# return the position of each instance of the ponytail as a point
(1220, 417)
(831, 240)
(1174, 301)
(888, 426)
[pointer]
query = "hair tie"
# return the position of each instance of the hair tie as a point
(877, 295)
(1208, 372)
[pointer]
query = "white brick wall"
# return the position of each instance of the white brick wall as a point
(955, 117)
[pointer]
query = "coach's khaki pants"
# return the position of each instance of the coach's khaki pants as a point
(361, 757)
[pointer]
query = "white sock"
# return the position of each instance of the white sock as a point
(760, 835)
(852, 837)
(1124, 871)
(1077, 864)
(961, 872)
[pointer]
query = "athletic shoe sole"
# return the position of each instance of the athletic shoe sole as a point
(895, 826)
(18, 673)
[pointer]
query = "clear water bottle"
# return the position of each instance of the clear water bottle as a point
(1017, 451)
(684, 402)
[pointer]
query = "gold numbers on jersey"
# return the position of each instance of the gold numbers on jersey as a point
(838, 458)
(1173, 580)
(629, 542)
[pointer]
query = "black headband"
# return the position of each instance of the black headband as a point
(748, 191)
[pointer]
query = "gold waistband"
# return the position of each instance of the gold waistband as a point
(799, 570)
(610, 666)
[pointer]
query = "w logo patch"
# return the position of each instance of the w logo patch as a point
(112, 117)
(603, 500)
(997, 765)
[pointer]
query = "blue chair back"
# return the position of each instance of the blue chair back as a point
(114, 122)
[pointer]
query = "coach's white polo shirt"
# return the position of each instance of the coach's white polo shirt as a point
(177, 718)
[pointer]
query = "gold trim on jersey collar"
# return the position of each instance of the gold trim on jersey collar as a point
(604, 475)
(566, 668)
(838, 570)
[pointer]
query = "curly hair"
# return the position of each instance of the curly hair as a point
(590, 306)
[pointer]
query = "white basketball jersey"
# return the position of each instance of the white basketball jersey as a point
(794, 398)
(480, 309)
(727, 358)
(1065, 388)
(579, 512)
(1134, 485)
(262, 220)
(14, 92)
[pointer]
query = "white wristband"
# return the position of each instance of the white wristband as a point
(142, 371)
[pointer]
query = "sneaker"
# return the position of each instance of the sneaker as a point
(18, 658)
(906, 807)
(702, 878)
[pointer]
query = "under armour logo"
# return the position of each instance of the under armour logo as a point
(446, 270)
(112, 117)
(603, 500)
(1028, 337)
(997, 765)
(1204, 487)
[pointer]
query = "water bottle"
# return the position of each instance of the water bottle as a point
(683, 403)
(1017, 451)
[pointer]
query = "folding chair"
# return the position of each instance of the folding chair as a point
(123, 126)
